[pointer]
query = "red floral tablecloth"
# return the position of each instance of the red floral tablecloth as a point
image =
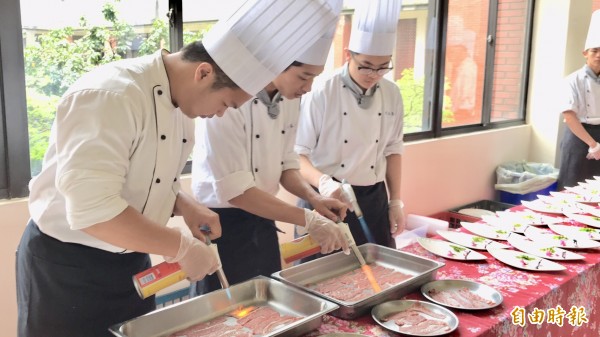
(548, 304)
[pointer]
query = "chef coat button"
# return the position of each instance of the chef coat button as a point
(343, 165)
(175, 179)
(372, 167)
(159, 92)
(283, 132)
(281, 163)
(345, 141)
(185, 140)
(163, 137)
(376, 140)
(345, 113)
(255, 101)
(380, 114)
(158, 180)
(257, 136)
(256, 170)
(172, 215)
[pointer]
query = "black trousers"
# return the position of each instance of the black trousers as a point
(574, 166)
(373, 202)
(248, 247)
(66, 289)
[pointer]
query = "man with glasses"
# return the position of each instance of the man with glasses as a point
(350, 127)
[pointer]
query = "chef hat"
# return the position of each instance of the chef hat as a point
(374, 27)
(263, 37)
(316, 54)
(593, 35)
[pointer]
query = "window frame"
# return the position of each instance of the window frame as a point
(14, 144)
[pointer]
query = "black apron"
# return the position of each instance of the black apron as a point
(67, 289)
(248, 247)
(373, 202)
(574, 166)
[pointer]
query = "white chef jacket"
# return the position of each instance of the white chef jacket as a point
(245, 148)
(117, 141)
(346, 141)
(583, 95)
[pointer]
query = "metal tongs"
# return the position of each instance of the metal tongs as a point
(220, 272)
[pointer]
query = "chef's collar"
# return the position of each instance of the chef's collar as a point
(272, 105)
(364, 100)
(591, 74)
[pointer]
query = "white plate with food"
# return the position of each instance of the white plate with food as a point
(540, 249)
(415, 318)
(450, 250)
(576, 232)
(529, 217)
(470, 240)
(485, 230)
(549, 238)
(462, 294)
(544, 206)
(590, 220)
(590, 209)
(505, 224)
(574, 197)
(518, 259)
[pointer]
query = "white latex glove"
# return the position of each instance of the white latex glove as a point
(326, 232)
(594, 152)
(195, 258)
(396, 216)
(330, 188)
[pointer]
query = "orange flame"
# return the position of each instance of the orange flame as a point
(369, 273)
(242, 312)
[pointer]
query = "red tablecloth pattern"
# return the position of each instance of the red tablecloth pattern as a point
(527, 295)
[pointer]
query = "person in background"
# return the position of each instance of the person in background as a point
(580, 150)
(241, 186)
(350, 126)
(110, 177)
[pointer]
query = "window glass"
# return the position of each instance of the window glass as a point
(76, 37)
(464, 62)
(507, 89)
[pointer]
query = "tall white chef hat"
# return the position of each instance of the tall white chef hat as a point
(593, 35)
(316, 54)
(263, 37)
(374, 27)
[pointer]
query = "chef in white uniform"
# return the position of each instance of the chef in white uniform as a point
(350, 126)
(239, 178)
(110, 178)
(580, 147)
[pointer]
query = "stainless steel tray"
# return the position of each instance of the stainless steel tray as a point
(422, 269)
(260, 291)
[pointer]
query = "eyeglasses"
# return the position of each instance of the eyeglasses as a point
(369, 71)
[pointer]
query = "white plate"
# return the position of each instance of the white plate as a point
(525, 261)
(381, 311)
(505, 224)
(539, 249)
(545, 206)
(576, 197)
(491, 295)
(470, 240)
(529, 217)
(590, 209)
(549, 238)
(476, 212)
(450, 250)
(485, 230)
(576, 232)
(589, 220)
